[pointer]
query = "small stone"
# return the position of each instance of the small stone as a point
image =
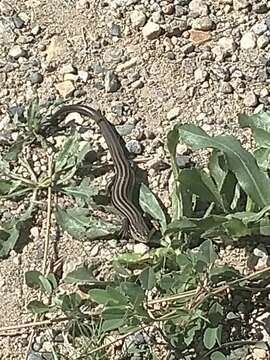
(173, 113)
(34, 231)
(198, 7)
(151, 31)
(36, 78)
(263, 41)
(68, 69)
(81, 4)
(188, 48)
(168, 9)
(126, 65)
(65, 88)
(134, 147)
(259, 354)
(115, 30)
(203, 23)
(33, 355)
(35, 30)
(199, 37)
(56, 49)
(137, 18)
(140, 248)
(248, 41)
(228, 44)
(124, 130)
(260, 8)
(240, 4)
(250, 99)
(71, 77)
(111, 82)
(17, 260)
(137, 84)
(200, 75)
(259, 28)
(226, 88)
(18, 22)
(36, 346)
(83, 75)
(2, 283)
(183, 161)
(267, 22)
(16, 52)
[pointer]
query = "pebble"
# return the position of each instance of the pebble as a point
(35, 30)
(199, 7)
(200, 75)
(68, 69)
(65, 88)
(17, 52)
(111, 82)
(124, 130)
(36, 78)
(18, 22)
(263, 41)
(250, 99)
(140, 248)
(137, 84)
(137, 18)
(248, 41)
(126, 65)
(267, 22)
(57, 49)
(173, 113)
(183, 161)
(226, 87)
(199, 37)
(115, 30)
(134, 147)
(83, 75)
(227, 43)
(240, 4)
(203, 23)
(259, 28)
(151, 31)
(260, 8)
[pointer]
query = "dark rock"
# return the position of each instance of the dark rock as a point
(111, 82)
(115, 30)
(18, 22)
(183, 161)
(36, 78)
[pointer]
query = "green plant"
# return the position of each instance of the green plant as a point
(177, 292)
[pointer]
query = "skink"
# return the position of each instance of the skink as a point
(124, 183)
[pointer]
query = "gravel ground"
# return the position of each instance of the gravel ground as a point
(148, 64)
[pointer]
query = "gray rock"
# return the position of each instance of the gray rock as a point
(259, 28)
(226, 88)
(240, 4)
(111, 82)
(32, 355)
(16, 52)
(248, 41)
(151, 31)
(203, 23)
(267, 22)
(134, 147)
(250, 99)
(36, 78)
(115, 30)
(125, 129)
(183, 161)
(18, 22)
